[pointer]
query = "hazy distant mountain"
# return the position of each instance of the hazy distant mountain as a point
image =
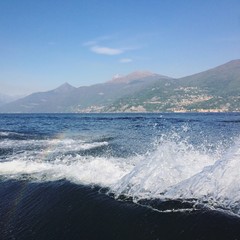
(2, 99)
(64, 88)
(217, 89)
(6, 98)
(95, 98)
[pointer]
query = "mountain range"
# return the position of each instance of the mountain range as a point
(6, 98)
(214, 90)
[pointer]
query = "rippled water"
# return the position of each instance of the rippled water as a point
(181, 169)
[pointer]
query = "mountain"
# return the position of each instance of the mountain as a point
(64, 88)
(38, 102)
(2, 99)
(215, 90)
(135, 76)
(6, 98)
(95, 98)
(222, 80)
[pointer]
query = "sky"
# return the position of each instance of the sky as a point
(45, 43)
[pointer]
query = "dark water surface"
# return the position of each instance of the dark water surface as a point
(120, 176)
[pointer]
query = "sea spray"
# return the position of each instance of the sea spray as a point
(217, 185)
(172, 161)
(173, 168)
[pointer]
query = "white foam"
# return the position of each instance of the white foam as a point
(4, 134)
(173, 169)
(218, 185)
(142, 176)
(168, 165)
(53, 145)
(82, 170)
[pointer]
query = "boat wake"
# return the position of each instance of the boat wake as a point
(172, 171)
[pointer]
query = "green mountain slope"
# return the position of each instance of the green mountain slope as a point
(215, 90)
(95, 98)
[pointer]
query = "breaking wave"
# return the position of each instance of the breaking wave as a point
(217, 184)
(173, 169)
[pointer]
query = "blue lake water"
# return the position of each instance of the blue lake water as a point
(120, 176)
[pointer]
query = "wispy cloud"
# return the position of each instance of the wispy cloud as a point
(98, 40)
(106, 50)
(101, 45)
(125, 60)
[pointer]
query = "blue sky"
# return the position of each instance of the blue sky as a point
(44, 43)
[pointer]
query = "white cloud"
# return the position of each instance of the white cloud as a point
(100, 46)
(125, 60)
(106, 50)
